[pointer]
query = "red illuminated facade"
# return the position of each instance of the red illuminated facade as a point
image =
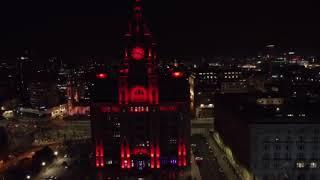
(140, 122)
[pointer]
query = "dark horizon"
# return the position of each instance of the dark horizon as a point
(182, 29)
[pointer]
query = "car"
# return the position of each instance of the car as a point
(198, 158)
(51, 178)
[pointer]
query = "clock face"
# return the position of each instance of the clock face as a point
(137, 53)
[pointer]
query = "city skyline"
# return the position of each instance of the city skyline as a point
(147, 90)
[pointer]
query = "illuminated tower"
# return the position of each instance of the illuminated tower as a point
(140, 122)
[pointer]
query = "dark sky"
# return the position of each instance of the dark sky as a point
(189, 28)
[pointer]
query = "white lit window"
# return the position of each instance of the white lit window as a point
(300, 164)
(201, 105)
(109, 162)
(313, 165)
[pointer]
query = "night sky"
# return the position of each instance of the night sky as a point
(190, 28)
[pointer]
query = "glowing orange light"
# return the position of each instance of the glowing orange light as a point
(177, 74)
(101, 76)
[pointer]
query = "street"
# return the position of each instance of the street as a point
(222, 160)
(208, 166)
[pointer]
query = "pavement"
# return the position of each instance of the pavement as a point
(195, 171)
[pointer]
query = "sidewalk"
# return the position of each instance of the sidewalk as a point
(195, 172)
(223, 162)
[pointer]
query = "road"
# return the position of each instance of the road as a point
(15, 160)
(222, 160)
(209, 168)
(54, 169)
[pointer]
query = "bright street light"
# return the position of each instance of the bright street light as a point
(43, 163)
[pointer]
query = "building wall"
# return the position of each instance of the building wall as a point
(280, 150)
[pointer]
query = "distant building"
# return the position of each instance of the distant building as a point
(43, 95)
(206, 80)
(269, 137)
(204, 83)
(233, 80)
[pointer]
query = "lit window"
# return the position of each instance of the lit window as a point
(300, 165)
(201, 105)
(313, 165)
(109, 162)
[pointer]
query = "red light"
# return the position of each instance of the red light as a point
(177, 74)
(157, 152)
(101, 76)
(137, 8)
(137, 53)
(152, 151)
(138, 94)
(122, 151)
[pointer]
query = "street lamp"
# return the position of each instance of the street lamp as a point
(43, 163)
(56, 153)
(28, 177)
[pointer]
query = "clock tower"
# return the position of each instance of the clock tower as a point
(139, 113)
(138, 78)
